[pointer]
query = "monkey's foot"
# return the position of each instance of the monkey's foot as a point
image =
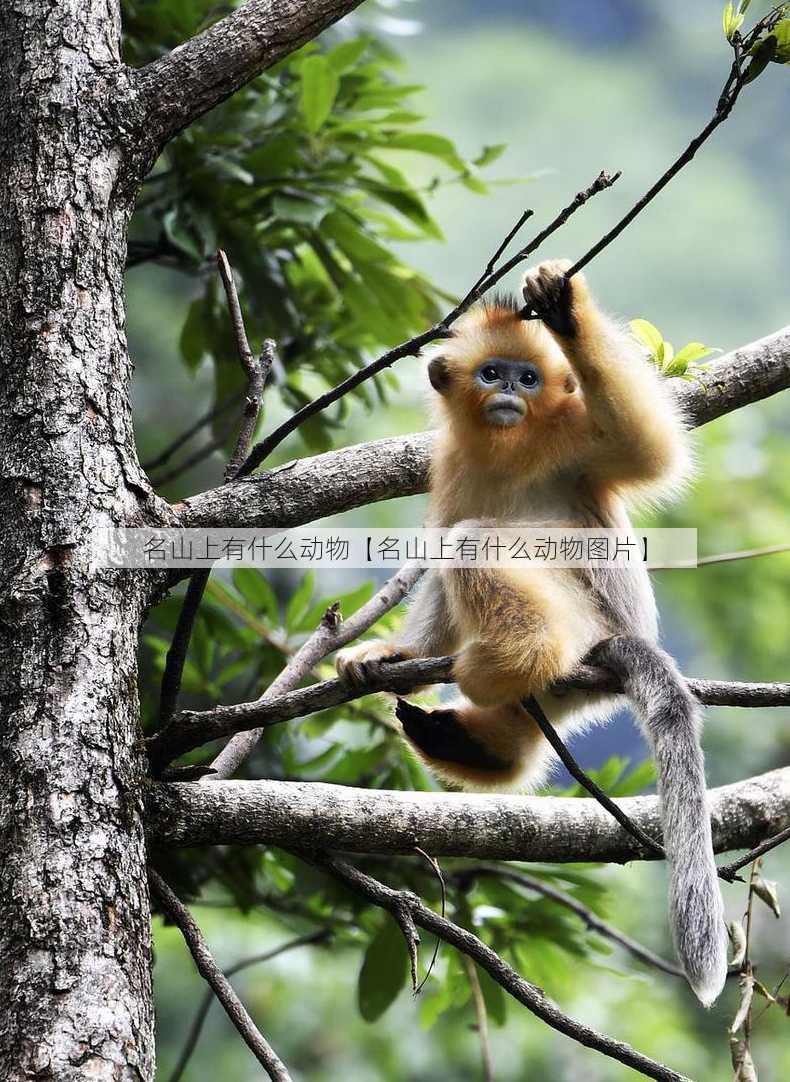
(360, 665)
(440, 734)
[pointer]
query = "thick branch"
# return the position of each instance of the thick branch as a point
(561, 829)
(178, 88)
(191, 729)
(312, 488)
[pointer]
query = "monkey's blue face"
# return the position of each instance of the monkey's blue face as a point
(509, 385)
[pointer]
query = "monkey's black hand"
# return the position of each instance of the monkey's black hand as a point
(550, 295)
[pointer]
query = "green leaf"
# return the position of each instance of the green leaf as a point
(693, 352)
(384, 971)
(410, 206)
(633, 782)
(256, 590)
(345, 55)
(762, 54)
(781, 32)
(425, 143)
(230, 170)
(193, 341)
(180, 237)
(648, 335)
(490, 154)
(731, 21)
(304, 211)
(320, 84)
(299, 601)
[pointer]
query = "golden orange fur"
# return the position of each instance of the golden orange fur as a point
(602, 429)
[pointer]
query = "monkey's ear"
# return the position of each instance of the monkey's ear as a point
(439, 375)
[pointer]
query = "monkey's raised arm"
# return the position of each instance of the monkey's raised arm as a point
(637, 435)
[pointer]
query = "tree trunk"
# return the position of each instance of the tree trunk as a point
(75, 983)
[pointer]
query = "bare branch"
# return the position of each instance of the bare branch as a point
(722, 558)
(310, 488)
(191, 729)
(331, 634)
(412, 347)
(753, 854)
(529, 995)
(179, 646)
(217, 981)
(481, 1018)
(256, 959)
(484, 826)
(257, 372)
(561, 897)
(536, 712)
(178, 88)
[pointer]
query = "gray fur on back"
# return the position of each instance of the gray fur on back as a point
(670, 718)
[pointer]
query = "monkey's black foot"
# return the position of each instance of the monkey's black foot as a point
(440, 734)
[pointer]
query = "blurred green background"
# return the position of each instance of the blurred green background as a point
(571, 88)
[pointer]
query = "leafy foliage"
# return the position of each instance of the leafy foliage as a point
(299, 177)
(684, 363)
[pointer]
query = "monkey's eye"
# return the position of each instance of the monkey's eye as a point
(489, 374)
(529, 377)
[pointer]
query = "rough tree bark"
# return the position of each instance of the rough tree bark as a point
(75, 995)
(77, 132)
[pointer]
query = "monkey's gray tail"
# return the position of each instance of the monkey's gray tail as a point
(671, 720)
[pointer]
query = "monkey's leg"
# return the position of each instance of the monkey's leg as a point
(477, 747)
(427, 631)
(523, 630)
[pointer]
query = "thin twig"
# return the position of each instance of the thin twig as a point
(202, 1012)
(257, 372)
(411, 348)
(573, 768)
(722, 558)
(404, 920)
(437, 871)
(331, 634)
(216, 979)
(535, 711)
(729, 870)
(490, 267)
(179, 646)
(728, 96)
(531, 996)
(586, 915)
(481, 1018)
